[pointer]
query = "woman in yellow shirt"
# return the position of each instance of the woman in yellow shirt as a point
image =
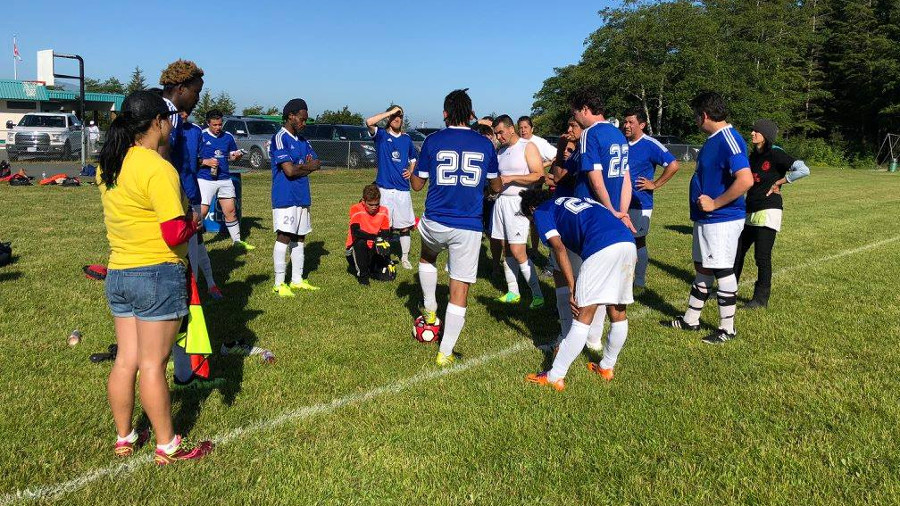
(148, 224)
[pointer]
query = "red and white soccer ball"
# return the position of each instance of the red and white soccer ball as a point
(425, 333)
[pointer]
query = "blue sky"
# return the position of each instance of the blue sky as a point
(362, 54)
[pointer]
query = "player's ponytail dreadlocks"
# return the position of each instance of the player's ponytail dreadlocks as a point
(533, 198)
(458, 106)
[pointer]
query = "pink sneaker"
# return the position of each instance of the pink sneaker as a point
(126, 449)
(183, 452)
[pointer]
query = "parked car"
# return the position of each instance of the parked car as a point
(427, 131)
(254, 136)
(416, 135)
(44, 134)
(341, 145)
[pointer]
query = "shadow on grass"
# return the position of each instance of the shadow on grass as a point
(681, 229)
(248, 225)
(651, 299)
(10, 276)
(682, 274)
(312, 256)
(227, 320)
(412, 293)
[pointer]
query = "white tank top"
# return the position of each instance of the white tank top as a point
(511, 160)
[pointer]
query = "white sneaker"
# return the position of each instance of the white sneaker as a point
(405, 263)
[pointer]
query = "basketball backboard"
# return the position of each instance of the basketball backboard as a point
(45, 67)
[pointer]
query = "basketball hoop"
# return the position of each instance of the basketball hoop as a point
(30, 88)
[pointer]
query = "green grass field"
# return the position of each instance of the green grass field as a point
(802, 408)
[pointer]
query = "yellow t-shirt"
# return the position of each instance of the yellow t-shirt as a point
(147, 193)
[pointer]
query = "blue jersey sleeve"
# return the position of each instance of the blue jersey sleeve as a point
(737, 162)
(279, 152)
(423, 166)
(591, 152)
(493, 165)
(309, 151)
(378, 135)
(412, 155)
(545, 225)
(662, 156)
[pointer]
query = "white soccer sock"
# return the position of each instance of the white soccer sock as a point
(234, 230)
(618, 332)
(531, 278)
(280, 264)
(727, 296)
(697, 298)
(171, 446)
(130, 438)
(297, 259)
(205, 265)
(428, 280)
(569, 350)
(564, 310)
(512, 283)
(454, 320)
(595, 336)
(640, 270)
(405, 242)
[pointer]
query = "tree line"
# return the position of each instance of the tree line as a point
(827, 71)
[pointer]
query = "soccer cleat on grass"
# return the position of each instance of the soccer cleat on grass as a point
(606, 374)
(282, 290)
(405, 263)
(126, 449)
(246, 246)
(303, 285)
(430, 316)
(542, 379)
(536, 302)
(509, 298)
(184, 451)
(444, 360)
(720, 336)
(755, 304)
(215, 293)
(679, 323)
(197, 383)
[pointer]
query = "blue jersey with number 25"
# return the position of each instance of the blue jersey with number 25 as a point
(457, 161)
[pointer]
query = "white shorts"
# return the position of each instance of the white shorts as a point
(291, 220)
(606, 277)
(640, 218)
(400, 208)
(464, 246)
(715, 244)
(210, 190)
(507, 222)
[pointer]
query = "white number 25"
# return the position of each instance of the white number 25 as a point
(449, 164)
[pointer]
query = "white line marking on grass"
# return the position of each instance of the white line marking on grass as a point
(118, 471)
(644, 310)
(123, 470)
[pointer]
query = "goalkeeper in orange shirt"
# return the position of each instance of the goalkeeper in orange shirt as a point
(368, 252)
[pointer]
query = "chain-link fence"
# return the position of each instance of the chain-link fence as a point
(684, 152)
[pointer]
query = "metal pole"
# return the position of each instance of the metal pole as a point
(80, 78)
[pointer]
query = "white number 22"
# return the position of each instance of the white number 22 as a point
(449, 164)
(618, 160)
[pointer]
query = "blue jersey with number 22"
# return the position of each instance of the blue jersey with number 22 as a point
(604, 149)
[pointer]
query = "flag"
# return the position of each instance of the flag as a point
(193, 335)
(16, 54)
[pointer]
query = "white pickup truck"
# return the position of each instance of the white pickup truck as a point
(45, 135)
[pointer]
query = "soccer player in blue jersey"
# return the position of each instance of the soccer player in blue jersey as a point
(595, 253)
(644, 154)
(396, 159)
(603, 174)
(182, 82)
(456, 163)
(293, 160)
(718, 211)
(187, 153)
(217, 149)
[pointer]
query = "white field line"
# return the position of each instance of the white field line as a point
(122, 470)
(643, 311)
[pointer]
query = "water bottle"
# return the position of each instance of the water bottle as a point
(74, 338)
(44, 175)
(268, 357)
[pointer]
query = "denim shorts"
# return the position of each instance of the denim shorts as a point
(152, 293)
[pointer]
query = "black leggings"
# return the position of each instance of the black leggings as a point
(764, 239)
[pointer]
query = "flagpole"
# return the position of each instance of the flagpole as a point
(15, 60)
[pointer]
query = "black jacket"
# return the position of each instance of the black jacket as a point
(768, 166)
